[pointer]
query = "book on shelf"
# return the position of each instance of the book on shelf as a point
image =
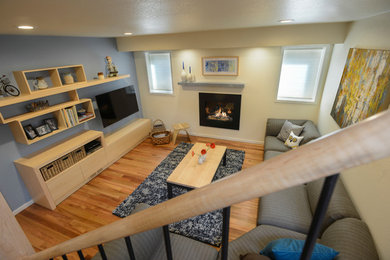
(85, 116)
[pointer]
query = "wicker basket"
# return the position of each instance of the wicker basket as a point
(78, 154)
(66, 161)
(159, 133)
(50, 170)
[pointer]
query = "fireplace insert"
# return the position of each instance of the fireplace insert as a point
(220, 110)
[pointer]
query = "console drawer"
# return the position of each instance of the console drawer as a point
(93, 163)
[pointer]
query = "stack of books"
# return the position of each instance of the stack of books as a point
(85, 116)
(70, 115)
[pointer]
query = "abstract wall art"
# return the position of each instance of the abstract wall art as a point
(364, 87)
(223, 66)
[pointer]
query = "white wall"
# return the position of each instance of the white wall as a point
(259, 70)
(368, 185)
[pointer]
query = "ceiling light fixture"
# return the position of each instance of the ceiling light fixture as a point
(26, 27)
(128, 33)
(286, 21)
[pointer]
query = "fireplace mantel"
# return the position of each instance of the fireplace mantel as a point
(212, 84)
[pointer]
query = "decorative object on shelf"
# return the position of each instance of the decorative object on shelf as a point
(159, 133)
(38, 105)
(220, 66)
(30, 132)
(111, 68)
(81, 112)
(40, 83)
(190, 76)
(52, 123)
(203, 153)
(68, 78)
(43, 130)
(364, 88)
(6, 88)
(100, 75)
(183, 74)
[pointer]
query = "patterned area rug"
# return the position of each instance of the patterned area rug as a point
(205, 228)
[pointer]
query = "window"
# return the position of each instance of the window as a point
(300, 73)
(158, 66)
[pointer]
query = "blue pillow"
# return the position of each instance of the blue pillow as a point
(291, 249)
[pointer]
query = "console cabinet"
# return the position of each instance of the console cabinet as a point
(53, 174)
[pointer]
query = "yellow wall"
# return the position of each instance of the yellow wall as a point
(259, 70)
(368, 185)
(238, 38)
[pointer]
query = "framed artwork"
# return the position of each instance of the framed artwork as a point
(30, 132)
(220, 66)
(364, 87)
(43, 129)
(52, 123)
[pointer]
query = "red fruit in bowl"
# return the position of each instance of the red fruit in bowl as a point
(203, 152)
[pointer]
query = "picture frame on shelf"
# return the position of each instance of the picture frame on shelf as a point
(30, 132)
(52, 123)
(220, 66)
(43, 130)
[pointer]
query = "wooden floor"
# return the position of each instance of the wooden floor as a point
(92, 205)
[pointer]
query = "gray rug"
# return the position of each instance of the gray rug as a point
(153, 190)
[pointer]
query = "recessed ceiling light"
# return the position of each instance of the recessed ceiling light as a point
(128, 33)
(286, 21)
(26, 27)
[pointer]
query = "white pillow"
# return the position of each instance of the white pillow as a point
(293, 140)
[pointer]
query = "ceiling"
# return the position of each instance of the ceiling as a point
(112, 18)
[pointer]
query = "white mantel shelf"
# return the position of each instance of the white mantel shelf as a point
(212, 84)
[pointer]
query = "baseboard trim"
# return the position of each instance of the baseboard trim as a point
(23, 207)
(228, 138)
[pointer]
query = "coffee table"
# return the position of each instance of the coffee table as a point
(189, 174)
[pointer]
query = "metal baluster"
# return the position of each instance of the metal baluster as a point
(81, 256)
(102, 253)
(64, 257)
(130, 248)
(167, 240)
(322, 206)
(225, 233)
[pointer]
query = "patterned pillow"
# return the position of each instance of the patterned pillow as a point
(293, 140)
(287, 128)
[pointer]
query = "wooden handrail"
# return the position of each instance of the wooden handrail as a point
(353, 146)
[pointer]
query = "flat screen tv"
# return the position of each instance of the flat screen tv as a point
(116, 105)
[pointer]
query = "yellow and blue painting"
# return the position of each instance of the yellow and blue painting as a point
(364, 86)
(220, 66)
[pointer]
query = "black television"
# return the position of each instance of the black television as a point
(116, 105)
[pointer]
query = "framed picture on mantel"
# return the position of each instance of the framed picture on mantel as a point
(220, 66)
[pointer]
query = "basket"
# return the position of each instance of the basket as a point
(78, 154)
(65, 161)
(50, 170)
(159, 134)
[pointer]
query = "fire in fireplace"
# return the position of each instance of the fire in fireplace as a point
(220, 110)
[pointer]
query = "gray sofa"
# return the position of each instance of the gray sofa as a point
(288, 213)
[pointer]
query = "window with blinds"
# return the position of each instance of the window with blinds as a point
(158, 66)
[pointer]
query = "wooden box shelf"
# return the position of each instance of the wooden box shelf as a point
(50, 190)
(57, 86)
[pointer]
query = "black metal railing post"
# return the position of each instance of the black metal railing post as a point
(130, 249)
(319, 214)
(102, 252)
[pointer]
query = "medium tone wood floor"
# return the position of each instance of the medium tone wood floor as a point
(91, 206)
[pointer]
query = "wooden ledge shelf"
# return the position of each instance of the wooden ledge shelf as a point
(212, 84)
(6, 101)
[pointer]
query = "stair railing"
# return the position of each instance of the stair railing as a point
(353, 146)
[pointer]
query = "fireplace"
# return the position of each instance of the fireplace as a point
(220, 110)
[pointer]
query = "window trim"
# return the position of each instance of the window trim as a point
(147, 64)
(320, 74)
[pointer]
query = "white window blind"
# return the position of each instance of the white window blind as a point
(158, 66)
(300, 74)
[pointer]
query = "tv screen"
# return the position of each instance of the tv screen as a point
(116, 105)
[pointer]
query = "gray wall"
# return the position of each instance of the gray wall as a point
(31, 52)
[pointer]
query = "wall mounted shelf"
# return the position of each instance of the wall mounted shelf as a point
(65, 113)
(212, 84)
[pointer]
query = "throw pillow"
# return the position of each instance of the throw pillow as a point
(287, 128)
(293, 140)
(253, 256)
(291, 249)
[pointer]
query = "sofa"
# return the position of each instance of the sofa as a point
(288, 213)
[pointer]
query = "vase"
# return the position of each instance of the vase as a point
(202, 158)
(183, 74)
(189, 75)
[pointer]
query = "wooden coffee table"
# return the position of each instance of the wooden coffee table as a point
(189, 174)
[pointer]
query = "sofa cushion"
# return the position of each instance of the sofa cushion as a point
(270, 154)
(293, 140)
(310, 132)
(287, 128)
(275, 125)
(272, 143)
(340, 205)
(257, 239)
(287, 208)
(350, 237)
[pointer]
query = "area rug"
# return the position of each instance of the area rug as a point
(153, 190)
